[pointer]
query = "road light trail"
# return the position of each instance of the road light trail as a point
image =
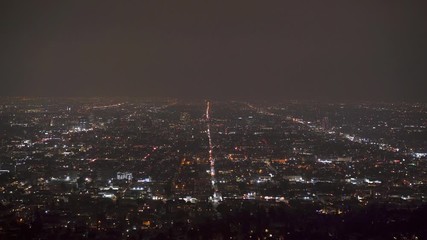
(216, 195)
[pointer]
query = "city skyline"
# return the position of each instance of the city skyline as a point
(225, 119)
(107, 168)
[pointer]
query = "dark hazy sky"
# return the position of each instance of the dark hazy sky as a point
(216, 49)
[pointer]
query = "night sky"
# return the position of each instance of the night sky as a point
(348, 50)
